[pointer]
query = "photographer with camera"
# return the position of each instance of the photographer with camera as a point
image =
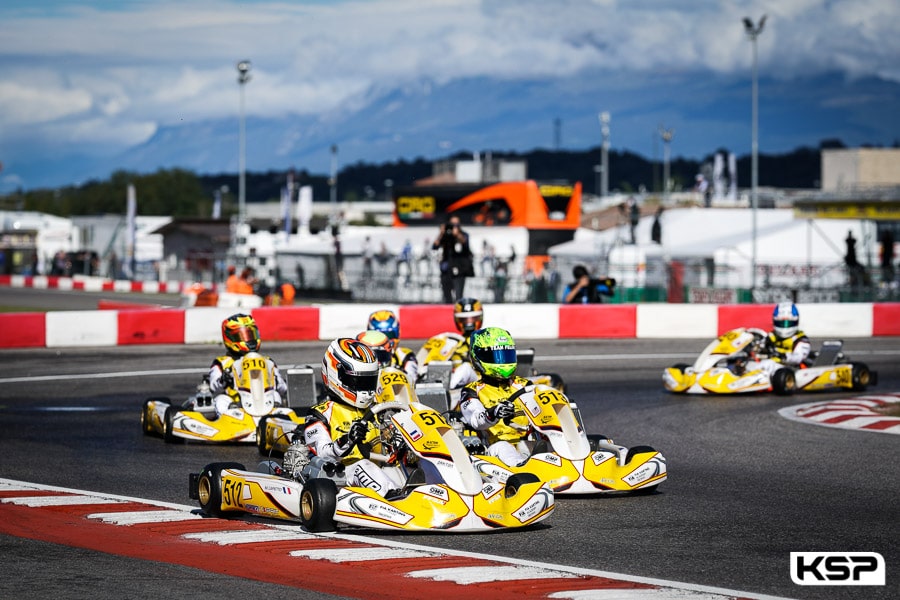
(456, 259)
(585, 290)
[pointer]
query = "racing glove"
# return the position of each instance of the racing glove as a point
(397, 441)
(357, 433)
(503, 410)
(227, 380)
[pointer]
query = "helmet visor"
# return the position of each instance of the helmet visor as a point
(496, 356)
(785, 323)
(363, 382)
(242, 333)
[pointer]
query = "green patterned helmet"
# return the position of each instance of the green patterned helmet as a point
(493, 352)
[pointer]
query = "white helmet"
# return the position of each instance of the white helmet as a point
(350, 372)
(786, 320)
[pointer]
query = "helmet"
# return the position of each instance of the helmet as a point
(379, 343)
(386, 322)
(350, 372)
(468, 315)
(786, 320)
(240, 334)
(493, 352)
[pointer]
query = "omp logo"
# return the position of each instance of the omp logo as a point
(837, 568)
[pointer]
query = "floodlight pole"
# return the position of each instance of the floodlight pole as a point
(243, 68)
(753, 32)
(666, 135)
(604, 155)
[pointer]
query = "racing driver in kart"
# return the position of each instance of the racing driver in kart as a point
(468, 316)
(386, 322)
(240, 335)
(485, 403)
(335, 430)
(785, 345)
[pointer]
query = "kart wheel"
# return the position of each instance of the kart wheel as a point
(556, 381)
(783, 382)
(146, 423)
(861, 376)
(518, 480)
(318, 501)
(261, 436)
(169, 427)
(209, 487)
(680, 366)
(594, 438)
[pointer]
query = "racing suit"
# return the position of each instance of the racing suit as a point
(502, 439)
(792, 352)
(405, 359)
(222, 377)
(327, 435)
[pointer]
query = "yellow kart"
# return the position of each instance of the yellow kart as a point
(440, 489)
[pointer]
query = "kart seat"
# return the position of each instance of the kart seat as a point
(829, 353)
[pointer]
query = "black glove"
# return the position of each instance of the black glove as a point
(357, 433)
(227, 379)
(499, 412)
(397, 441)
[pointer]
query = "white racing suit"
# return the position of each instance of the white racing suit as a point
(324, 434)
(787, 352)
(224, 396)
(501, 439)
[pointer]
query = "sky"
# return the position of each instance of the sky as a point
(89, 87)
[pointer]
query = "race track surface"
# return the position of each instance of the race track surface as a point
(746, 486)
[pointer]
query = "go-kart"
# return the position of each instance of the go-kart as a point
(438, 487)
(440, 356)
(253, 396)
(730, 364)
(563, 455)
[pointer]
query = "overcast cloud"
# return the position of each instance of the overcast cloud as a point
(97, 77)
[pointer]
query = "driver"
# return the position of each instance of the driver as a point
(468, 316)
(386, 322)
(786, 345)
(485, 403)
(240, 336)
(335, 429)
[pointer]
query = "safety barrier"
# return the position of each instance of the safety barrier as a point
(202, 325)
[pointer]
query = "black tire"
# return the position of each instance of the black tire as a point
(593, 438)
(318, 501)
(169, 425)
(861, 376)
(518, 480)
(261, 435)
(634, 451)
(209, 487)
(783, 382)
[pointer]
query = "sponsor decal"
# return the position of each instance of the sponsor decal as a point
(436, 491)
(599, 458)
(490, 490)
(643, 472)
(837, 568)
(430, 445)
(549, 458)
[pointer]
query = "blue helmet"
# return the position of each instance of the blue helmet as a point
(786, 320)
(387, 323)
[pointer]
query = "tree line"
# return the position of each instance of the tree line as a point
(183, 193)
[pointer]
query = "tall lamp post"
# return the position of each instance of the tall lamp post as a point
(332, 181)
(666, 135)
(243, 68)
(604, 155)
(753, 32)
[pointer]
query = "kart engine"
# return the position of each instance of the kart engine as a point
(296, 458)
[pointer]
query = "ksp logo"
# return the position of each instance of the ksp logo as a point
(837, 568)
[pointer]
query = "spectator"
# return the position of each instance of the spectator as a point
(634, 213)
(456, 259)
(585, 290)
(367, 258)
(887, 255)
(656, 229)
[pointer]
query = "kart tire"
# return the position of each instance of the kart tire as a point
(209, 487)
(518, 480)
(169, 425)
(556, 381)
(861, 377)
(318, 501)
(146, 426)
(261, 436)
(680, 366)
(783, 382)
(593, 438)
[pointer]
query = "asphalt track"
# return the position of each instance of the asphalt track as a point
(746, 486)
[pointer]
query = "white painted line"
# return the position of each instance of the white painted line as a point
(144, 516)
(486, 574)
(339, 555)
(639, 594)
(38, 501)
(228, 538)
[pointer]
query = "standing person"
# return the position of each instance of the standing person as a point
(656, 229)
(232, 283)
(634, 213)
(367, 258)
(584, 290)
(456, 259)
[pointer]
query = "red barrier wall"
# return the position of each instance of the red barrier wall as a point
(287, 323)
(421, 321)
(732, 316)
(597, 321)
(886, 319)
(23, 330)
(151, 327)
